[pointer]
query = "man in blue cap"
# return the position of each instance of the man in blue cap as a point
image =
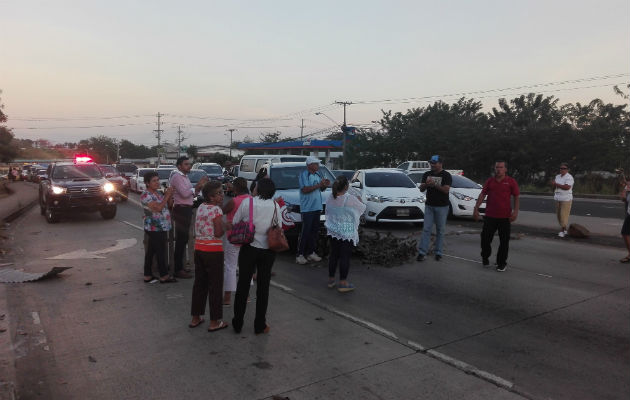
(437, 183)
(311, 186)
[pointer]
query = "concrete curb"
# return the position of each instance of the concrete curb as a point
(577, 196)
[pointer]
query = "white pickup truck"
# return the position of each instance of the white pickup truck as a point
(423, 166)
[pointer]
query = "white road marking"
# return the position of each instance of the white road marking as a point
(279, 286)
(365, 323)
(121, 244)
(36, 319)
(546, 276)
(497, 380)
(133, 225)
(462, 258)
(416, 346)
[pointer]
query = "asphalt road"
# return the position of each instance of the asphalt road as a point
(584, 207)
(555, 324)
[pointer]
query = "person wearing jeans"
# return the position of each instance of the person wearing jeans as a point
(311, 186)
(499, 214)
(437, 183)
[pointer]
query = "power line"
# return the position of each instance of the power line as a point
(36, 119)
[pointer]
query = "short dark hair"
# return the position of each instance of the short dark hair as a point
(240, 185)
(266, 188)
(210, 189)
(563, 164)
(501, 161)
(180, 160)
(149, 175)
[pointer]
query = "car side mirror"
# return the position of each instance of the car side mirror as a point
(109, 175)
(356, 184)
(418, 185)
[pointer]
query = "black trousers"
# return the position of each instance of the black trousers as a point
(182, 216)
(156, 246)
(252, 259)
(340, 252)
(208, 284)
(490, 226)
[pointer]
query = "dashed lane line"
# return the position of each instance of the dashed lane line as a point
(133, 225)
(458, 364)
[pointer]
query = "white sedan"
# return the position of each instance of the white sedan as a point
(136, 182)
(463, 195)
(389, 194)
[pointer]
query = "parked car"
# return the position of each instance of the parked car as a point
(126, 170)
(41, 175)
(389, 194)
(136, 183)
(164, 172)
(32, 172)
(463, 195)
(213, 170)
(419, 166)
(348, 173)
(251, 164)
(120, 183)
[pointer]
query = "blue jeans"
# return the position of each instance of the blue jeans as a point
(310, 232)
(437, 216)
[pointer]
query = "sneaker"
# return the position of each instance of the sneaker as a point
(562, 234)
(438, 257)
(314, 257)
(485, 262)
(348, 287)
(300, 260)
(331, 284)
(421, 257)
(501, 268)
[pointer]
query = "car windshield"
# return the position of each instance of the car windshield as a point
(195, 176)
(164, 173)
(212, 169)
(464, 183)
(143, 172)
(289, 178)
(416, 178)
(345, 172)
(108, 169)
(126, 168)
(388, 179)
(76, 172)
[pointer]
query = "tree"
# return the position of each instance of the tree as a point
(8, 147)
(270, 137)
(192, 151)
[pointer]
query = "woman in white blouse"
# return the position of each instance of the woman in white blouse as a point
(342, 222)
(256, 256)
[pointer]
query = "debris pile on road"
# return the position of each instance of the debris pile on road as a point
(386, 250)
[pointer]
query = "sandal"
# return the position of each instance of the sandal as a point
(170, 279)
(625, 260)
(222, 325)
(191, 325)
(153, 279)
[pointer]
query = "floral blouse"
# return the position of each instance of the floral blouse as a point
(155, 221)
(204, 223)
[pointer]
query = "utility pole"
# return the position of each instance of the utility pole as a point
(343, 131)
(231, 130)
(117, 151)
(180, 139)
(302, 129)
(158, 134)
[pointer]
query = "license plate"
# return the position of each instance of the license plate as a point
(403, 212)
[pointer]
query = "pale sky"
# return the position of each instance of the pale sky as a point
(72, 69)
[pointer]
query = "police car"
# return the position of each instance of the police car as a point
(76, 186)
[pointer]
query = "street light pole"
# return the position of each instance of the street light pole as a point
(343, 130)
(231, 130)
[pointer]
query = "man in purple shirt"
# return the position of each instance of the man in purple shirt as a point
(183, 195)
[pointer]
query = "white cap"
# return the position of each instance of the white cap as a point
(312, 160)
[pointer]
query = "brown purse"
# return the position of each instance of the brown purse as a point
(275, 235)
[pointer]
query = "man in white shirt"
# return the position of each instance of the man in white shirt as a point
(563, 195)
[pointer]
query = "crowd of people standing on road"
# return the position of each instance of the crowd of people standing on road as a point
(217, 258)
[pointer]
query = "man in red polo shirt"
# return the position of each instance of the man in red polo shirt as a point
(499, 213)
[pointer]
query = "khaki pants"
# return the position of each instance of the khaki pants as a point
(563, 210)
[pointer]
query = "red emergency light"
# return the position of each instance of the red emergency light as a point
(82, 159)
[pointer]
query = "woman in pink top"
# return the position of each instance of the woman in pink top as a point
(230, 251)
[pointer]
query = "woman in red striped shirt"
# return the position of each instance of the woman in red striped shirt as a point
(208, 284)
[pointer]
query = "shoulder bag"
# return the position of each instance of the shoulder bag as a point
(243, 232)
(275, 235)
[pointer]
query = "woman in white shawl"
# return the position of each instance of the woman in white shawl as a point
(342, 222)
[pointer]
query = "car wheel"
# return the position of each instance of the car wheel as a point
(362, 220)
(51, 216)
(42, 209)
(450, 211)
(108, 212)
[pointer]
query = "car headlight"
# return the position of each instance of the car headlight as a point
(462, 196)
(374, 198)
(417, 200)
(108, 187)
(58, 189)
(124, 182)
